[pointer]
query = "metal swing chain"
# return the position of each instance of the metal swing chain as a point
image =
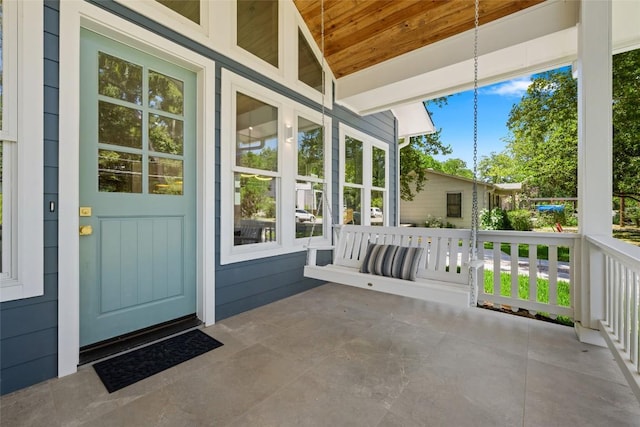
(322, 133)
(474, 203)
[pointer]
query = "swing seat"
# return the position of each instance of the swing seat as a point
(445, 272)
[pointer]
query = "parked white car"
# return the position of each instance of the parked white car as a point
(376, 213)
(302, 216)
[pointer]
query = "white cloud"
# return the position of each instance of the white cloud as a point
(515, 87)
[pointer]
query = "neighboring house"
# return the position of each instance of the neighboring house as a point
(155, 152)
(449, 197)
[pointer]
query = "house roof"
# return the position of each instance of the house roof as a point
(388, 53)
(413, 119)
(502, 188)
(511, 186)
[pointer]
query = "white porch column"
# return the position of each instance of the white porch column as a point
(594, 150)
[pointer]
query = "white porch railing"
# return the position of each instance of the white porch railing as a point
(559, 274)
(620, 326)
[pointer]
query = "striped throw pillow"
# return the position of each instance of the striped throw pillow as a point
(392, 261)
(405, 265)
(379, 259)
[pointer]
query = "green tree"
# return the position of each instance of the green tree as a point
(626, 124)
(416, 157)
(497, 168)
(543, 135)
(456, 167)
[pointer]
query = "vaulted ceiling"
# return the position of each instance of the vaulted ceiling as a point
(361, 33)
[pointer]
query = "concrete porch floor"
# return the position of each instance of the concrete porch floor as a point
(342, 356)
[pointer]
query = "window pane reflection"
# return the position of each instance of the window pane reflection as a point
(258, 28)
(166, 135)
(119, 172)
(309, 69)
(256, 134)
(309, 208)
(119, 125)
(377, 167)
(310, 149)
(353, 161)
(352, 202)
(254, 209)
(165, 176)
(119, 79)
(190, 9)
(377, 207)
(166, 93)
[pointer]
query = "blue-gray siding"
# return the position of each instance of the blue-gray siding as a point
(28, 328)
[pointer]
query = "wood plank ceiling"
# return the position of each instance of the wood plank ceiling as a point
(362, 33)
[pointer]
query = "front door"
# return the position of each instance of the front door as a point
(137, 190)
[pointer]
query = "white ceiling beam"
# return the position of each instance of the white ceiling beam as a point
(536, 39)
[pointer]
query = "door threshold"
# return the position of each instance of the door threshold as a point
(93, 352)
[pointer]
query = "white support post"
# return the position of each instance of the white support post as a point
(594, 148)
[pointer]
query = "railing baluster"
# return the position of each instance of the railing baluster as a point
(514, 274)
(625, 308)
(497, 260)
(608, 290)
(634, 304)
(552, 271)
(533, 274)
(619, 300)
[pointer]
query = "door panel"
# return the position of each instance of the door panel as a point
(138, 176)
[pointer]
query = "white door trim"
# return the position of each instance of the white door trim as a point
(73, 15)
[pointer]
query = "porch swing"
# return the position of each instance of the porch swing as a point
(432, 264)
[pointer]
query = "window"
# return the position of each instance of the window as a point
(156, 143)
(273, 172)
(257, 28)
(309, 69)
(256, 174)
(190, 9)
(21, 138)
(364, 192)
(310, 196)
(454, 205)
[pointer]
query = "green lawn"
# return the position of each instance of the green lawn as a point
(564, 296)
(628, 234)
(523, 251)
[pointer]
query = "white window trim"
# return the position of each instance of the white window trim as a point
(171, 19)
(367, 143)
(73, 16)
(288, 111)
(326, 196)
(24, 57)
(218, 31)
(253, 61)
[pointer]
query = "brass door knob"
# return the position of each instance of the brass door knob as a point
(86, 230)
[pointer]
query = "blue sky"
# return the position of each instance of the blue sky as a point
(494, 104)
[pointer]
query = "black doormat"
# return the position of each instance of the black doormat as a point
(126, 369)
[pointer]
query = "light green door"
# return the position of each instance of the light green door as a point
(137, 190)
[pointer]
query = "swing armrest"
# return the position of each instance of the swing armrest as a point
(476, 264)
(312, 252)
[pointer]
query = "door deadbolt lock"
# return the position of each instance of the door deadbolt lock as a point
(86, 230)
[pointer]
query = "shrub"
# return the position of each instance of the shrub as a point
(494, 219)
(520, 220)
(433, 222)
(633, 213)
